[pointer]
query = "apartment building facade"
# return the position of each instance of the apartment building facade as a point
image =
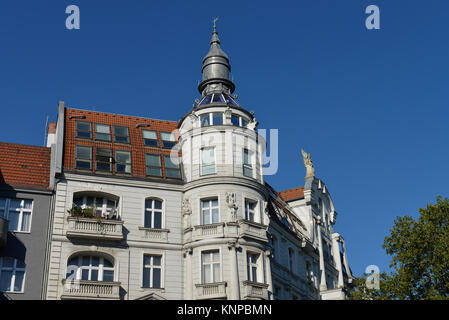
(153, 209)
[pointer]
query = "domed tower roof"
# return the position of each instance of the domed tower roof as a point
(216, 69)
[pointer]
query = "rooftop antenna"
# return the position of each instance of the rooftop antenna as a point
(46, 132)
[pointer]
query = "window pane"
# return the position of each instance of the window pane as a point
(247, 172)
(123, 156)
(108, 275)
(204, 119)
(5, 281)
(83, 152)
(94, 275)
(207, 155)
(146, 278)
(26, 222)
(84, 126)
(83, 164)
(207, 273)
(149, 134)
(86, 261)
(8, 262)
(246, 157)
(157, 260)
(206, 217)
(85, 274)
(13, 218)
(168, 136)
(235, 120)
(95, 261)
(154, 172)
(157, 220)
(157, 204)
(102, 136)
(102, 128)
(19, 281)
(216, 276)
(172, 163)
(108, 264)
(173, 173)
(120, 131)
(215, 216)
(217, 118)
(153, 160)
(215, 203)
(156, 278)
(147, 219)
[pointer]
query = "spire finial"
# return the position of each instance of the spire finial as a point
(215, 20)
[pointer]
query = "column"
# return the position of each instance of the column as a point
(268, 274)
(235, 284)
(345, 260)
(323, 285)
(337, 259)
(188, 282)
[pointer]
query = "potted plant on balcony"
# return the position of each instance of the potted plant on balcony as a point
(79, 212)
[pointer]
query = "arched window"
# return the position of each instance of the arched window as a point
(153, 214)
(103, 205)
(12, 274)
(90, 268)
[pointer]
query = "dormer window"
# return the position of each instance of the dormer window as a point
(83, 129)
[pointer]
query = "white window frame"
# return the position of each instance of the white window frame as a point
(171, 139)
(211, 119)
(201, 161)
(219, 262)
(250, 265)
(14, 269)
(126, 164)
(251, 165)
(6, 209)
(101, 268)
(108, 134)
(256, 216)
(104, 207)
(152, 209)
(210, 209)
(152, 267)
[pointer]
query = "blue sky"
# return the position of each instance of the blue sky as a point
(371, 106)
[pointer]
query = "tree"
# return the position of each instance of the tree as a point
(420, 257)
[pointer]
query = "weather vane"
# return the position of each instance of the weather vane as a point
(215, 20)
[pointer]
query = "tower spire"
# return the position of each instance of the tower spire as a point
(216, 68)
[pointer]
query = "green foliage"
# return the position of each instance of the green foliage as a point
(420, 258)
(76, 211)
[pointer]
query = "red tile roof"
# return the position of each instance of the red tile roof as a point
(292, 194)
(24, 166)
(136, 145)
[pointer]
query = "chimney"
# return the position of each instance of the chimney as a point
(51, 135)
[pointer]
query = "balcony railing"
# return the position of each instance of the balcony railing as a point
(216, 290)
(255, 290)
(252, 230)
(215, 230)
(3, 232)
(81, 289)
(157, 235)
(101, 229)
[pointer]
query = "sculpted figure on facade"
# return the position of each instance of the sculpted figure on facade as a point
(231, 202)
(253, 124)
(186, 213)
(310, 171)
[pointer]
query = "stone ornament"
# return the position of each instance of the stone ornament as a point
(186, 212)
(310, 171)
(232, 206)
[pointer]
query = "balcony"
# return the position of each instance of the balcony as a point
(252, 230)
(203, 231)
(155, 235)
(255, 290)
(216, 290)
(3, 232)
(99, 229)
(88, 290)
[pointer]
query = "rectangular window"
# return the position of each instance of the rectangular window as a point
(207, 161)
(247, 163)
(12, 274)
(210, 266)
(83, 157)
(83, 129)
(172, 169)
(152, 271)
(252, 259)
(168, 140)
(102, 132)
(18, 213)
(153, 164)
(205, 120)
(210, 213)
(150, 138)
(103, 159)
(121, 134)
(217, 118)
(250, 210)
(122, 161)
(153, 214)
(291, 256)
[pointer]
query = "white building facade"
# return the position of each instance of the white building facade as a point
(137, 218)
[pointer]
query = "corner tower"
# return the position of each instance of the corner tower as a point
(224, 203)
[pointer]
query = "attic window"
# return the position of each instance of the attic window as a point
(83, 129)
